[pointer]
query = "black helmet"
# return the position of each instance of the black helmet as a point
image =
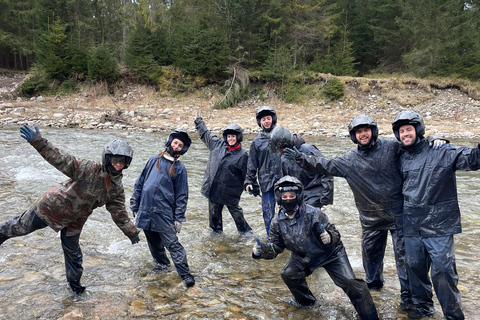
(408, 117)
(181, 135)
(116, 147)
(280, 137)
(363, 121)
(235, 129)
(266, 111)
(288, 183)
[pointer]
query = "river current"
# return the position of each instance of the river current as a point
(230, 284)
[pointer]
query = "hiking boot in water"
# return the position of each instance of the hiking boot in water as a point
(189, 280)
(295, 303)
(160, 268)
(419, 313)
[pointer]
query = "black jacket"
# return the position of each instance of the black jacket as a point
(261, 161)
(430, 190)
(318, 187)
(226, 170)
(374, 177)
(301, 235)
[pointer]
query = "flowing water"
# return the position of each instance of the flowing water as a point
(230, 284)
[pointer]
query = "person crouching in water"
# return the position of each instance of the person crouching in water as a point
(159, 201)
(67, 206)
(314, 243)
(223, 180)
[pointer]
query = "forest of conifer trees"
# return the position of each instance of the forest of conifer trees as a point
(74, 40)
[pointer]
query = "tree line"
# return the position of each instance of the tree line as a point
(72, 40)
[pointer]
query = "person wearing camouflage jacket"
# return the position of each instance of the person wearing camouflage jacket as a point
(67, 206)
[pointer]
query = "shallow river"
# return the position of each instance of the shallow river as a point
(230, 284)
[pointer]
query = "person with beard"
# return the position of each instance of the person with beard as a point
(159, 201)
(264, 164)
(224, 175)
(313, 242)
(372, 172)
(67, 206)
(431, 215)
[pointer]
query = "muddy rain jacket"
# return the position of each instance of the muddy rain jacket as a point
(301, 235)
(226, 170)
(430, 192)
(262, 162)
(318, 187)
(374, 177)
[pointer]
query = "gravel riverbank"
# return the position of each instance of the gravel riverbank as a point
(448, 112)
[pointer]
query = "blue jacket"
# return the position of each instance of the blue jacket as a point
(430, 188)
(374, 177)
(226, 170)
(159, 198)
(260, 161)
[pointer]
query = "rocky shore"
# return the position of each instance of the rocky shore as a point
(448, 112)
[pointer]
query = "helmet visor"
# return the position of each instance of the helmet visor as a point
(117, 160)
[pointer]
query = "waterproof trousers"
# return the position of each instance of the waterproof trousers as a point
(268, 208)
(216, 221)
(340, 271)
(436, 254)
(28, 222)
(167, 238)
(374, 243)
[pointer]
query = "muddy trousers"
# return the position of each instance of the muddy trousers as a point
(340, 271)
(374, 243)
(158, 241)
(28, 222)
(216, 221)
(436, 254)
(268, 208)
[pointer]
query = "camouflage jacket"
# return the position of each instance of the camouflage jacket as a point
(69, 204)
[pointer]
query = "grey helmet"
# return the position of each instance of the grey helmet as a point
(183, 136)
(288, 183)
(116, 147)
(280, 137)
(266, 111)
(409, 117)
(363, 121)
(235, 129)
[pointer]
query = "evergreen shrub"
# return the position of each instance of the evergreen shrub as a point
(334, 89)
(102, 66)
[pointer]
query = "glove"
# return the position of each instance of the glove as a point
(292, 154)
(178, 226)
(135, 238)
(27, 133)
(134, 213)
(197, 120)
(257, 250)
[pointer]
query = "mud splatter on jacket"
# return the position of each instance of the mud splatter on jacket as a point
(69, 204)
(301, 235)
(226, 170)
(319, 188)
(374, 177)
(430, 188)
(261, 161)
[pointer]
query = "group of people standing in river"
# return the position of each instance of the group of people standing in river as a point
(405, 187)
